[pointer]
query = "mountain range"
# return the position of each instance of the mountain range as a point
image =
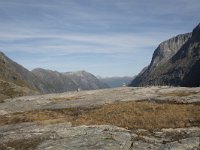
(116, 81)
(69, 81)
(15, 80)
(175, 62)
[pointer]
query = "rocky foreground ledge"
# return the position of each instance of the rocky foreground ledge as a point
(121, 118)
(64, 136)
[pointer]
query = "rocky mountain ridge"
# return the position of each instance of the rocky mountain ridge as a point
(175, 62)
(68, 81)
(15, 80)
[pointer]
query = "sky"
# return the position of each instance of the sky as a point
(104, 37)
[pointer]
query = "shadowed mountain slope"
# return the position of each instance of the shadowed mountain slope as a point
(175, 62)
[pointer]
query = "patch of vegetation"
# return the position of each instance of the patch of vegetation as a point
(67, 98)
(130, 115)
(145, 115)
(180, 93)
(45, 115)
(10, 90)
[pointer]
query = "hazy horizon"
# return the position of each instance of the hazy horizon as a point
(104, 37)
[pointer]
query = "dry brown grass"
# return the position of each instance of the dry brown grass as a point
(180, 93)
(40, 116)
(130, 115)
(61, 99)
(145, 115)
(11, 90)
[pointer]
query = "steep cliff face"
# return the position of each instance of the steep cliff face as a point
(173, 62)
(71, 81)
(184, 65)
(167, 49)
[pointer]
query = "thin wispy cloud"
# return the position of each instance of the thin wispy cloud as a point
(92, 34)
(79, 43)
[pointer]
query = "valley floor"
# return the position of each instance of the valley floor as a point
(119, 118)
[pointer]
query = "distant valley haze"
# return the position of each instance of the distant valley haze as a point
(104, 37)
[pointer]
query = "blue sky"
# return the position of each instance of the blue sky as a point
(104, 37)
